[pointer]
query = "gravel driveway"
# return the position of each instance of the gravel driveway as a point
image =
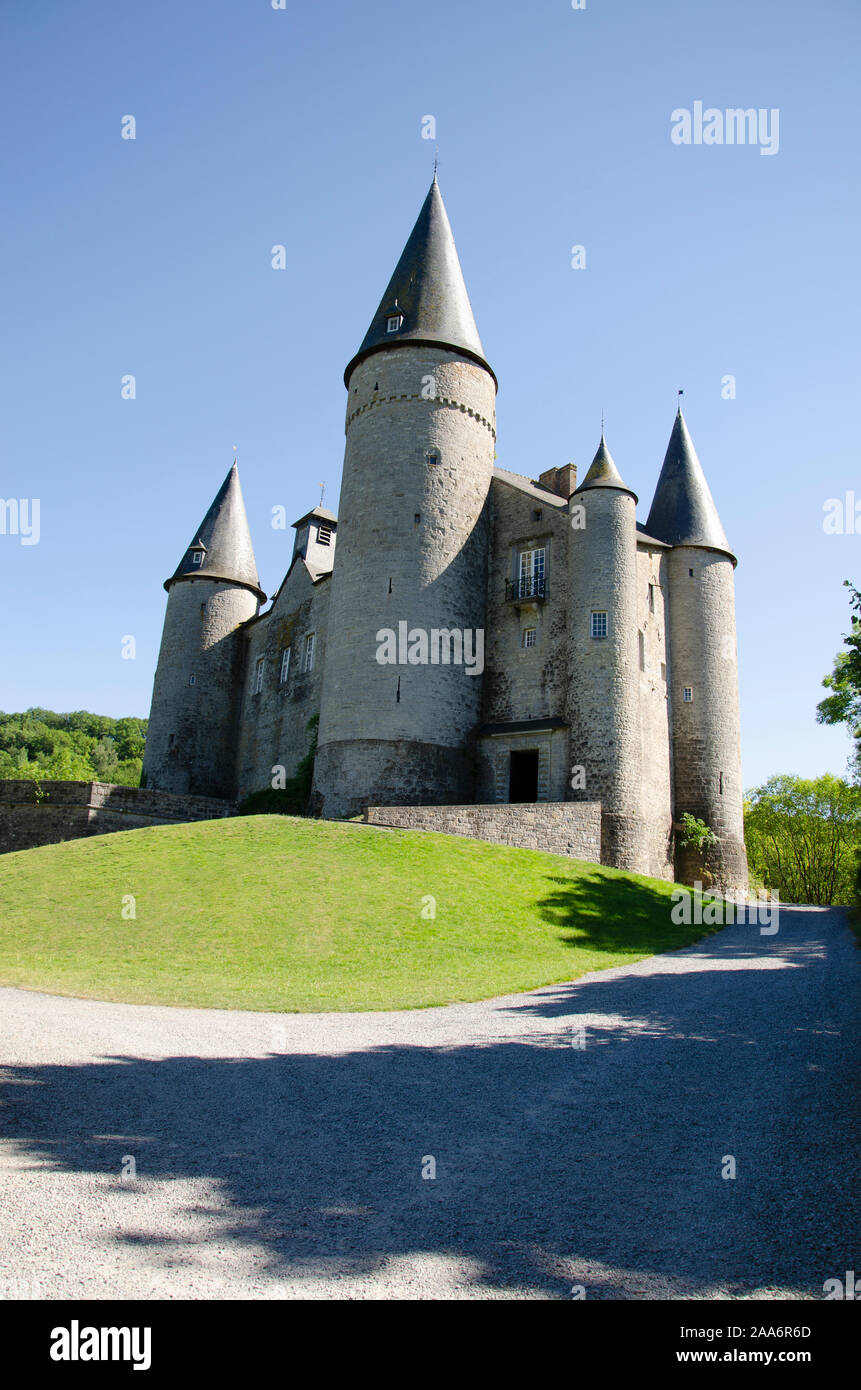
(282, 1155)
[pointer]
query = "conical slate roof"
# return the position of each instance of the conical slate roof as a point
(603, 471)
(683, 511)
(224, 537)
(428, 289)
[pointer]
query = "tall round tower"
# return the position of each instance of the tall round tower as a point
(405, 649)
(703, 672)
(191, 739)
(603, 674)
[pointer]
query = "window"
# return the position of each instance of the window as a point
(532, 572)
(285, 664)
(651, 598)
(691, 573)
(393, 323)
(432, 455)
(688, 695)
(530, 636)
(417, 519)
(324, 535)
(192, 680)
(309, 652)
(197, 557)
(641, 640)
(537, 514)
(258, 675)
(599, 624)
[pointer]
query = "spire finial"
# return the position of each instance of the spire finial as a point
(602, 422)
(235, 455)
(679, 395)
(435, 162)
(322, 487)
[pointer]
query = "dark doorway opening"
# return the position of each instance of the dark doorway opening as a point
(523, 777)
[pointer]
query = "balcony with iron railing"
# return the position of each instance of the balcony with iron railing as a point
(529, 588)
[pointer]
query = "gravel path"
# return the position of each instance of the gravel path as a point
(281, 1155)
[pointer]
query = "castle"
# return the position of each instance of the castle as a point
(479, 638)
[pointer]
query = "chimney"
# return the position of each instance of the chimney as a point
(562, 481)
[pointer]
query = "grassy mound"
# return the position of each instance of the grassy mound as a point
(280, 913)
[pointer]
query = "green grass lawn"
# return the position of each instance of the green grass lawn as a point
(273, 912)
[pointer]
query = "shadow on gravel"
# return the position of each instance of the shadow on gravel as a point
(546, 1154)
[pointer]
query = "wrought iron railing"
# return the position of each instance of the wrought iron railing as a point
(530, 586)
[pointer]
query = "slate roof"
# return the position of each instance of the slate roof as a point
(683, 510)
(603, 473)
(536, 490)
(429, 288)
(225, 536)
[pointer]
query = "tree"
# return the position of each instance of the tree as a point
(844, 705)
(803, 837)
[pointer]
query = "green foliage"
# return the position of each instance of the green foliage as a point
(291, 799)
(40, 745)
(803, 837)
(695, 832)
(844, 705)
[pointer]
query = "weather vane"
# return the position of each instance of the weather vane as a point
(322, 487)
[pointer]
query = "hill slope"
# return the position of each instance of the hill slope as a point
(280, 913)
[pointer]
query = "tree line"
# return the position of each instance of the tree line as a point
(78, 747)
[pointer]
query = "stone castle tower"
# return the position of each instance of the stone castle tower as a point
(412, 537)
(481, 639)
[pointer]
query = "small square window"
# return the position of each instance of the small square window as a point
(688, 694)
(530, 636)
(197, 557)
(599, 624)
(537, 514)
(309, 652)
(285, 664)
(432, 455)
(258, 675)
(393, 323)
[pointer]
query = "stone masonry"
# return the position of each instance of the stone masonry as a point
(605, 703)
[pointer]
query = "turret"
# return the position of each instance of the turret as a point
(603, 678)
(703, 672)
(190, 743)
(402, 689)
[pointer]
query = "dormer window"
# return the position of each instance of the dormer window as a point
(324, 535)
(197, 557)
(394, 318)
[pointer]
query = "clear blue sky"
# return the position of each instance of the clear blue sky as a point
(303, 127)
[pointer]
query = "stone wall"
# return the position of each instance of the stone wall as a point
(526, 682)
(556, 827)
(191, 740)
(273, 725)
(413, 524)
(656, 795)
(71, 810)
